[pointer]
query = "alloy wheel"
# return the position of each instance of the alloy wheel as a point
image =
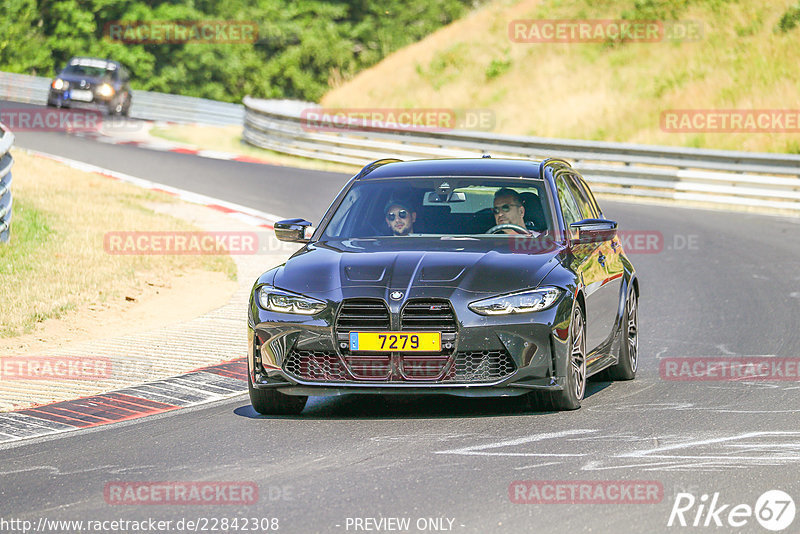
(632, 329)
(578, 355)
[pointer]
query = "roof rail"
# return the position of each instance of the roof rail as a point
(369, 167)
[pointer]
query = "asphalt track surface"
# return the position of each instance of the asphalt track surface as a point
(723, 285)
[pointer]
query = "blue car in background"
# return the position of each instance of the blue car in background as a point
(94, 83)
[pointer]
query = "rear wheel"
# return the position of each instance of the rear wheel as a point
(271, 402)
(570, 397)
(625, 368)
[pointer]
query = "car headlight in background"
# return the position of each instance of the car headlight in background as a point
(105, 90)
(59, 84)
(277, 300)
(523, 302)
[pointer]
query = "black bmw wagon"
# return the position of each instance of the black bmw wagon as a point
(472, 277)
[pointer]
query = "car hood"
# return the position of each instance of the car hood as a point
(76, 78)
(414, 266)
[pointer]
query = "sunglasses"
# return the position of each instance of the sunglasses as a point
(505, 207)
(402, 214)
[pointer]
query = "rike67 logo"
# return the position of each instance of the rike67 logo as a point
(774, 510)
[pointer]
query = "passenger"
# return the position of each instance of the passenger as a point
(400, 217)
(508, 209)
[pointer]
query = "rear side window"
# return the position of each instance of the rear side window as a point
(582, 183)
(568, 207)
(585, 205)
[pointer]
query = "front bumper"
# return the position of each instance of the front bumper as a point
(61, 98)
(510, 355)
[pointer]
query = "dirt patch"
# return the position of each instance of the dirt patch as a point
(60, 285)
(158, 302)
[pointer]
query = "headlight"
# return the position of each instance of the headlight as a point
(524, 302)
(58, 84)
(277, 300)
(105, 90)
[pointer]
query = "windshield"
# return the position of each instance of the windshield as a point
(94, 68)
(440, 206)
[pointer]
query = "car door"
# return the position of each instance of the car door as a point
(584, 261)
(602, 296)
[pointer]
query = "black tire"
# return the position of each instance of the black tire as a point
(271, 402)
(571, 396)
(628, 360)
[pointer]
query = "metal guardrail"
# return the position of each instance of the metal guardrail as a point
(146, 105)
(763, 180)
(6, 200)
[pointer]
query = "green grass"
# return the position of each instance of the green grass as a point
(25, 253)
(745, 57)
(55, 261)
(30, 233)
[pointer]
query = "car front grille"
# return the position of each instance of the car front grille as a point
(424, 315)
(362, 314)
(483, 366)
(372, 367)
(469, 367)
(428, 315)
(423, 367)
(316, 366)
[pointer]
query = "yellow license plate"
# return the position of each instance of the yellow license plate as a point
(396, 341)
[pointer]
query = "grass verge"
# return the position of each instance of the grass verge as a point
(745, 59)
(55, 262)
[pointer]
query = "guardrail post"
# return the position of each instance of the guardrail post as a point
(6, 200)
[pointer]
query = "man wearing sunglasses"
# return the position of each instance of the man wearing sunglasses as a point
(508, 209)
(400, 217)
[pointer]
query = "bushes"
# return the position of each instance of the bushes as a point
(303, 46)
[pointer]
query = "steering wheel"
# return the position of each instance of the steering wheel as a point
(496, 229)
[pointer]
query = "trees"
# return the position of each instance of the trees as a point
(303, 46)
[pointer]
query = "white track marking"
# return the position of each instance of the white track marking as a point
(536, 465)
(651, 452)
(480, 450)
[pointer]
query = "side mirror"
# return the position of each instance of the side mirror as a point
(594, 230)
(292, 230)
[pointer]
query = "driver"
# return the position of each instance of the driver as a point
(400, 217)
(508, 209)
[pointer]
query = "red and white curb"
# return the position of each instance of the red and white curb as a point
(242, 213)
(177, 148)
(202, 386)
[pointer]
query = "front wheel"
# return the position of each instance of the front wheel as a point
(571, 396)
(625, 368)
(271, 402)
